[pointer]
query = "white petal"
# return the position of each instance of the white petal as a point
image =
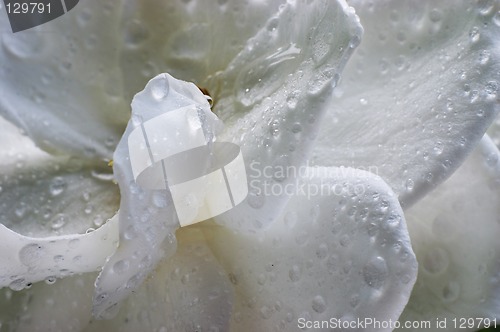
(418, 94)
(63, 306)
(148, 217)
(60, 81)
(272, 96)
(52, 202)
(24, 260)
(190, 40)
(341, 251)
(188, 292)
(48, 196)
(454, 232)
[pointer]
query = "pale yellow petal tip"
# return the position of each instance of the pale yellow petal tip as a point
(110, 163)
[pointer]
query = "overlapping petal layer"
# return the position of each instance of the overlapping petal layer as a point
(454, 232)
(272, 97)
(60, 81)
(187, 292)
(341, 251)
(419, 92)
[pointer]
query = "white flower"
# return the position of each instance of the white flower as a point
(414, 100)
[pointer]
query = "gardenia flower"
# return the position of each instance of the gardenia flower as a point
(410, 110)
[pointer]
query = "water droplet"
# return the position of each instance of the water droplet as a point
(410, 184)
(130, 233)
(121, 266)
(436, 261)
(474, 34)
(261, 279)
(438, 148)
(322, 251)
(274, 127)
(451, 291)
(18, 285)
(83, 18)
(50, 280)
(100, 298)
(58, 222)
(159, 88)
(363, 101)
(355, 41)
(375, 272)
(160, 199)
(135, 33)
(58, 258)
(491, 88)
(296, 128)
(256, 201)
(266, 312)
(484, 57)
(319, 304)
(485, 7)
(98, 221)
(88, 209)
(435, 15)
(57, 186)
(345, 240)
(31, 254)
(292, 101)
(294, 273)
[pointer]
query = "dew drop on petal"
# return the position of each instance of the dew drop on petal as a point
(451, 291)
(435, 15)
(496, 18)
(436, 261)
(294, 273)
(18, 285)
(121, 266)
(135, 33)
(31, 254)
(159, 89)
(474, 34)
(50, 280)
(256, 201)
(410, 184)
(57, 186)
(319, 304)
(58, 222)
(375, 272)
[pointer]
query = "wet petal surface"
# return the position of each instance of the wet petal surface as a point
(187, 292)
(454, 232)
(343, 255)
(419, 92)
(60, 81)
